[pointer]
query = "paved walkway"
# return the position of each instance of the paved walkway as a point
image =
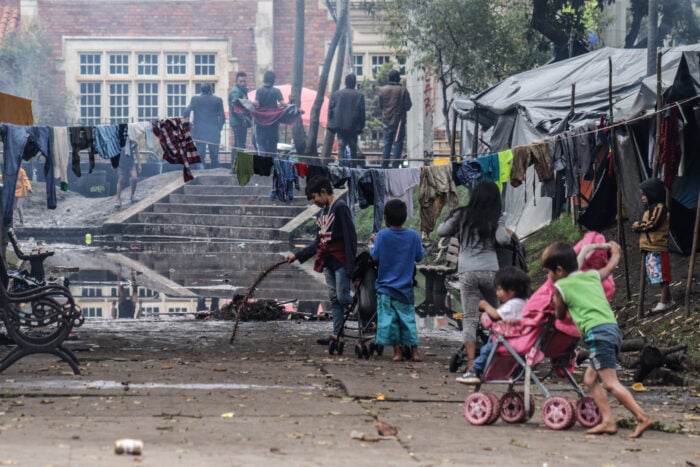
(277, 398)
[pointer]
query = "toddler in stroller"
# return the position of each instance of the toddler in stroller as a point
(519, 346)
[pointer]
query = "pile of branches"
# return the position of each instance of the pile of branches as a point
(259, 310)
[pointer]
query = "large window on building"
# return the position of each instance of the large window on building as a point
(147, 64)
(147, 101)
(377, 62)
(198, 88)
(176, 95)
(358, 65)
(119, 103)
(92, 312)
(90, 64)
(118, 64)
(205, 64)
(90, 103)
(176, 64)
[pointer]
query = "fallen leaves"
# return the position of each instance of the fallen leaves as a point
(384, 429)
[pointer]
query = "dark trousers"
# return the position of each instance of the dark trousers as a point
(213, 153)
(267, 138)
(240, 133)
(348, 139)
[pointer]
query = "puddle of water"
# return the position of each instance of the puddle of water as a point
(102, 384)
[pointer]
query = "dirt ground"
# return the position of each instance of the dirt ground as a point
(275, 397)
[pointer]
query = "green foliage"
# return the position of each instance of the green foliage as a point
(467, 44)
(26, 70)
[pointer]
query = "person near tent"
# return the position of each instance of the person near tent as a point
(208, 121)
(479, 226)
(23, 187)
(239, 121)
(394, 102)
(653, 239)
(268, 97)
(346, 118)
(335, 247)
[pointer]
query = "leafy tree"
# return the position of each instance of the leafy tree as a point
(678, 22)
(26, 68)
(465, 45)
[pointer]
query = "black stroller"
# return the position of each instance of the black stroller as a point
(360, 319)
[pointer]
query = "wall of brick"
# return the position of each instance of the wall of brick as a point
(217, 18)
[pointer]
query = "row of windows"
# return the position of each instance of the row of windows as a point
(120, 97)
(376, 62)
(148, 64)
(97, 292)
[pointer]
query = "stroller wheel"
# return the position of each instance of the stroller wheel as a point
(529, 408)
(587, 412)
(478, 408)
(380, 350)
(456, 361)
(340, 347)
(365, 352)
(371, 347)
(358, 350)
(495, 412)
(513, 407)
(332, 346)
(573, 419)
(557, 413)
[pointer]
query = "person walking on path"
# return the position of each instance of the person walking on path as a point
(268, 97)
(582, 294)
(23, 187)
(240, 122)
(209, 119)
(397, 249)
(346, 118)
(129, 166)
(394, 102)
(479, 226)
(335, 247)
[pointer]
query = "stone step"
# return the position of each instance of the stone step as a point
(235, 200)
(249, 261)
(229, 210)
(227, 190)
(214, 220)
(183, 231)
(175, 246)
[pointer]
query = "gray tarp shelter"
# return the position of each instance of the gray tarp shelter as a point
(536, 104)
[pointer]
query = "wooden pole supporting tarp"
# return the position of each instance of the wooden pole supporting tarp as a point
(620, 226)
(572, 203)
(693, 253)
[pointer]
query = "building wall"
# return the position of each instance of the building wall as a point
(127, 25)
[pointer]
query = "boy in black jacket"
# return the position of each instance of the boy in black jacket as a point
(335, 248)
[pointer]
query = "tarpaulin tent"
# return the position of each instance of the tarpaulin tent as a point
(536, 104)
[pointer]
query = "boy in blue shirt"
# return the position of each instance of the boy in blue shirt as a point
(396, 249)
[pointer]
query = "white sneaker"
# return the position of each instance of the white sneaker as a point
(468, 378)
(662, 306)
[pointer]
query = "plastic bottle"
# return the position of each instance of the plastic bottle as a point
(128, 446)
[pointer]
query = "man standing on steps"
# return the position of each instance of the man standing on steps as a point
(240, 122)
(209, 119)
(346, 118)
(394, 102)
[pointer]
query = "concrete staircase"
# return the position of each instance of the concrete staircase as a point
(215, 237)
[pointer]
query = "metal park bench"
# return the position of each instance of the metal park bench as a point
(437, 275)
(36, 317)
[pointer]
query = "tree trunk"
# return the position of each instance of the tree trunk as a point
(298, 134)
(335, 85)
(312, 136)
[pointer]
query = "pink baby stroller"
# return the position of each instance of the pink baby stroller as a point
(522, 345)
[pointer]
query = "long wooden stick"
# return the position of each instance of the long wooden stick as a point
(620, 225)
(657, 139)
(691, 266)
(249, 295)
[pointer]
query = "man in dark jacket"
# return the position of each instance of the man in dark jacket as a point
(209, 119)
(240, 122)
(268, 97)
(394, 102)
(346, 118)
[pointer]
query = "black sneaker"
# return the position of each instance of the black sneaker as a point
(324, 340)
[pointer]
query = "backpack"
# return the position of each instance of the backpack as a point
(512, 254)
